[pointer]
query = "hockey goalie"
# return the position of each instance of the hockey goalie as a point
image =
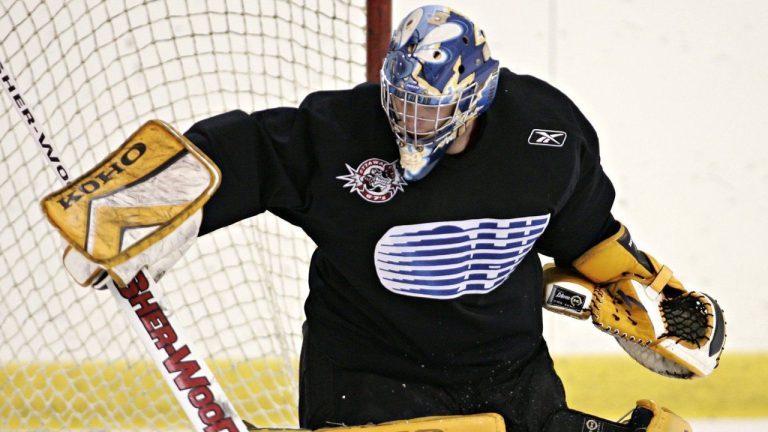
(429, 196)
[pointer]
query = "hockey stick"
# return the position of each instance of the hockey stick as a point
(182, 368)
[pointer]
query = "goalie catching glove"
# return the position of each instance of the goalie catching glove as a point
(630, 295)
(140, 207)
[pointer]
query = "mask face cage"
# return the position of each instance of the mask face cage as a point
(422, 121)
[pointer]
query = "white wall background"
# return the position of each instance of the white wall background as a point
(677, 91)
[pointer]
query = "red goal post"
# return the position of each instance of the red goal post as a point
(378, 33)
(94, 71)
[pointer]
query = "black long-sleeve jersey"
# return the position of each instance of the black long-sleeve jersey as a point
(436, 278)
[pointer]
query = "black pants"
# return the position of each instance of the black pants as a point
(333, 395)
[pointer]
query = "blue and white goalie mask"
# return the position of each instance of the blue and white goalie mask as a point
(437, 76)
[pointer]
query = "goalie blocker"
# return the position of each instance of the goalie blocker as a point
(140, 207)
(629, 295)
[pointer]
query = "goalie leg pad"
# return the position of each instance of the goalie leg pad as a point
(489, 422)
(646, 417)
(661, 420)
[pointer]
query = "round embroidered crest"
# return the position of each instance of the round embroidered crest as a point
(375, 180)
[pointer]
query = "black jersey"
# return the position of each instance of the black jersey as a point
(430, 277)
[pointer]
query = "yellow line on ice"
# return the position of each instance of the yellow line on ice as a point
(96, 395)
(608, 386)
(69, 395)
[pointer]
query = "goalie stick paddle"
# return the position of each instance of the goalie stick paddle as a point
(182, 368)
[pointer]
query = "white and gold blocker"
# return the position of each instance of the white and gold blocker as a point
(630, 295)
(139, 207)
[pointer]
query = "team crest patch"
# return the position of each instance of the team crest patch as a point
(445, 260)
(374, 180)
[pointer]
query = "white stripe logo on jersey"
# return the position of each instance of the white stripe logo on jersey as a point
(550, 138)
(445, 260)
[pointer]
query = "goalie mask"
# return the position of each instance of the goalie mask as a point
(437, 76)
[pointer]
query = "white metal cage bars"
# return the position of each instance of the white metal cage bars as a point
(95, 71)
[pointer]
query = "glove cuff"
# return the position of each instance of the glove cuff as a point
(613, 258)
(617, 257)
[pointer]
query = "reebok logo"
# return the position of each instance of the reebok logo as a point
(551, 138)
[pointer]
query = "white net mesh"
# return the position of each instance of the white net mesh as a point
(92, 72)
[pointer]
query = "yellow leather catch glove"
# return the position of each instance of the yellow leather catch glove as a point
(628, 294)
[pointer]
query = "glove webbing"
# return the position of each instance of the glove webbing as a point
(687, 318)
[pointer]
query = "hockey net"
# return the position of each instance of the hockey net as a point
(94, 71)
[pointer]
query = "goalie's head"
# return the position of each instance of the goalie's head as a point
(438, 76)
